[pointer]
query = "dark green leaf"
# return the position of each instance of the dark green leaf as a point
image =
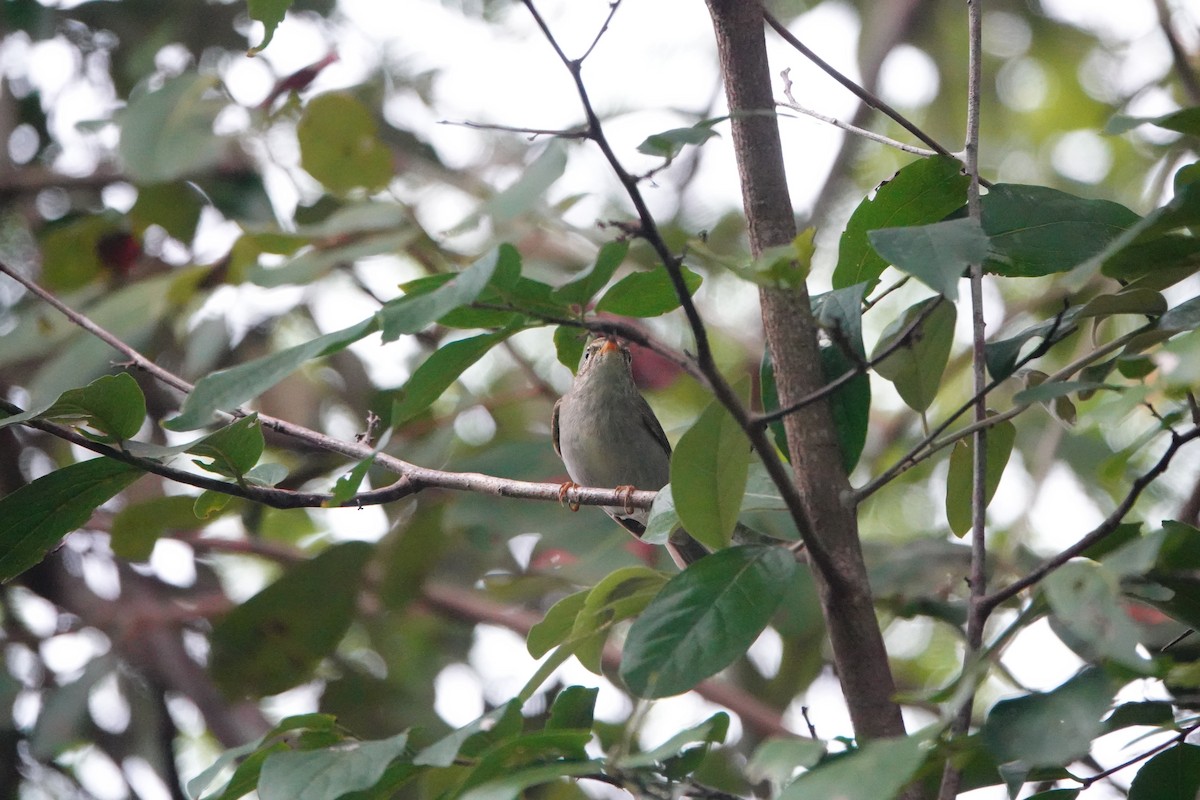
(112, 404)
(440, 370)
(1087, 604)
(328, 773)
(413, 312)
(175, 207)
(708, 475)
(1044, 392)
(37, 515)
(556, 626)
(1173, 774)
(668, 144)
(999, 445)
(339, 145)
(1127, 301)
(1036, 230)
(137, 527)
(496, 725)
(270, 13)
(646, 294)
(1156, 713)
(877, 770)
(916, 367)
(1186, 120)
(555, 746)
(1001, 356)
(705, 618)
(167, 133)
(573, 709)
(513, 784)
(233, 449)
(569, 343)
(1183, 317)
(712, 731)
(273, 641)
(937, 254)
(850, 404)
(839, 313)
(1053, 728)
(924, 191)
(583, 288)
(228, 388)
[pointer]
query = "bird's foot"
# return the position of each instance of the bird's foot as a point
(564, 495)
(626, 493)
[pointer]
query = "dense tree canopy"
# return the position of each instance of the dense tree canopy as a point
(280, 337)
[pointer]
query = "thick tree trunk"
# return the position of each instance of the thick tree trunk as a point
(858, 649)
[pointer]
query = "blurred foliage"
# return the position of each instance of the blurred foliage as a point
(252, 227)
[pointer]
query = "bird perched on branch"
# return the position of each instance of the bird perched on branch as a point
(607, 435)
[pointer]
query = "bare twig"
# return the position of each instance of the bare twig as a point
(952, 774)
(837, 123)
(1180, 57)
(533, 133)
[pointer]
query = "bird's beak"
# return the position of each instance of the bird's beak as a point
(609, 346)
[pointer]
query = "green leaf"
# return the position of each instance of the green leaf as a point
(1036, 230)
(778, 759)
(573, 709)
(167, 133)
(1045, 392)
(112, 404)
(712, 731)
(1156, 713)
(1173, 774)
(583, 288)
(227, 389)
(569, 343)
(175, 207)
(234, 449)
(916, 368)
(270, 13)
(528, 189)
(708, 475)
(621, 595)
(877, 770)
(413, 312)
(646, 294)
(705, 618)
(999, 445)
(339, 145)
(556, 626)
(936, 254)
(1185, 120)
(328, 773)
(850, 404)
(663, 518)
(513, 784)
(1088, 607)
(925, 191)
(1053, 728)
(1127, 301)
(37, 515)
(273, 641)
(554, 746)
(441, 369)
(137, 527)
(668, 144)
(496, 725)
(1001, 356)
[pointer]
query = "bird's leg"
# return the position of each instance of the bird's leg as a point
(564, 495)
(627, 493)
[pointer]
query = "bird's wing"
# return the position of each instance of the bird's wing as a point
(653, 425)
(554, 428)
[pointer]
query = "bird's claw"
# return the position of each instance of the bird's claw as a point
(564, 495)
(626, 494)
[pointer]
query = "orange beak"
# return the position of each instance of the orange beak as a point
(609, 346)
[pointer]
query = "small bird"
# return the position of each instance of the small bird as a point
(607, 435)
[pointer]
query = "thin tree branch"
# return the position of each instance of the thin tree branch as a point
(900, 342)
(952, 774)
(673, 265)
(989, 603)
(1183, 64)
(857, 131)
(931, 444)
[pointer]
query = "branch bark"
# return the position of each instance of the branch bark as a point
(858, 649)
